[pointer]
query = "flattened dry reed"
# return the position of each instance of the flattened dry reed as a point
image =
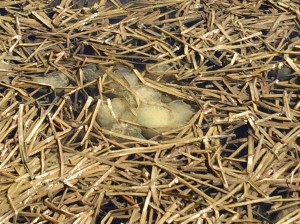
(235, 161)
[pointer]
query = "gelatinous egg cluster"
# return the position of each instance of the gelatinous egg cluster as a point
(138, 110)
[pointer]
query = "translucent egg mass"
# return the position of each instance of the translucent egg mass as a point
(138, 108)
